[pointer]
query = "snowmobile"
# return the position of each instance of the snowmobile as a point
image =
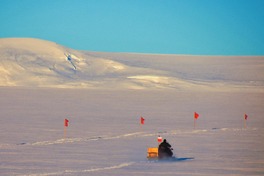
(153, 154)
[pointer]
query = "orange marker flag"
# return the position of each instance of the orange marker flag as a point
(246, 116)
(66, 122)
(142, 120)
(245, 120)
(196, 115)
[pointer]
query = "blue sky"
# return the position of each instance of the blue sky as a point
(199, 27)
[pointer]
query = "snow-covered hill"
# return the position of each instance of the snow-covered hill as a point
(38, 63)
(104, 136)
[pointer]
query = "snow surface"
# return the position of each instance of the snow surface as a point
(104, 99)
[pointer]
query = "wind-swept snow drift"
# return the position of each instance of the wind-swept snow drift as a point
(38, 63)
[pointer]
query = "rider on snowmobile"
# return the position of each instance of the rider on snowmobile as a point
(165, 150)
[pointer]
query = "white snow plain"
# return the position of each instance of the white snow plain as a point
(104, 99)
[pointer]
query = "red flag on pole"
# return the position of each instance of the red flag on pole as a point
(142, 120)
(246, 116)
(196, 115)
(66, 122)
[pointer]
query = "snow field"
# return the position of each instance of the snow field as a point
(105, 138)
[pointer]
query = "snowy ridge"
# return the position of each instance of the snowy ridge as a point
(128, 135)
(37, 63)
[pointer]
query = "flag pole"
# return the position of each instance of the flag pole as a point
(66, 124)
(195, 117)
(65, 132)
(142, 121)
(245, 120)
(194, 123)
